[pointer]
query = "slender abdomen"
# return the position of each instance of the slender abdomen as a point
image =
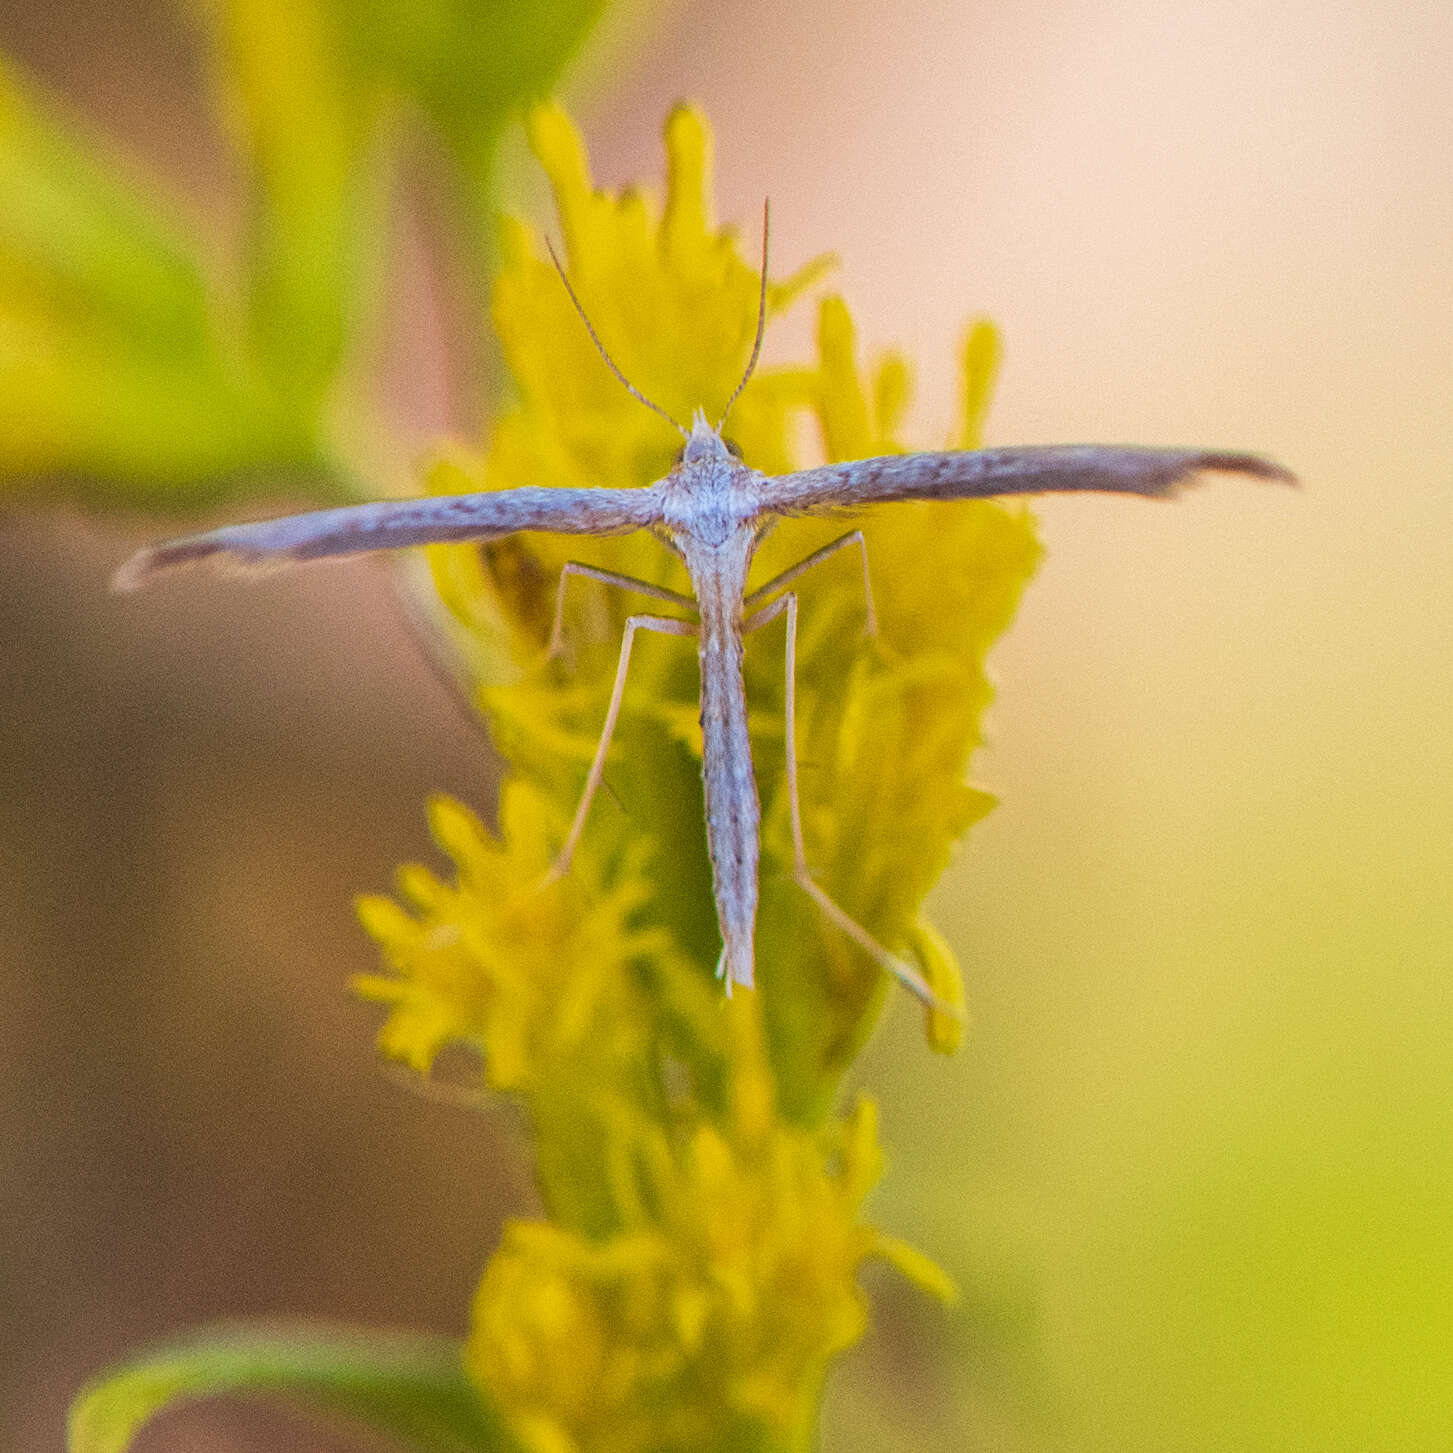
(733, 816)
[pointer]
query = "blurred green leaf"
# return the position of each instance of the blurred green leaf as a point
(113, 366)
(465, 63)
(315, 92)
(74, 229)
(306, 134)
(406, 1384)
(129, 373)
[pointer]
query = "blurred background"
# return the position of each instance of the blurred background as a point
(1193, 1166)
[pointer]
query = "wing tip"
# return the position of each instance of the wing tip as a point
(223, 549)
(152, 559)
(131, 575)
(1254, 466)
(227, 555)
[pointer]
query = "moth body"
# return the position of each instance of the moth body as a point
(713, 510)
(733, 814)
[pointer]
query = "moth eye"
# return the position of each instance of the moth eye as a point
(680, 456)
(733, 448)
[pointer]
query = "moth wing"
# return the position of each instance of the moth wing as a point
(988, 473)
(395, 524)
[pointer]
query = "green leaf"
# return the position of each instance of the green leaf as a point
(114, 366)
(74, 231)
(312, 89)
(127, 373)
(306, 130)
(464, 63)
(407, 1384)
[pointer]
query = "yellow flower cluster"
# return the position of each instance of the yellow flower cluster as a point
(535, 977)
(709, 1319)
(697, 1271)
(885, 728)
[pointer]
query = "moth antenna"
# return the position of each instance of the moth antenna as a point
(761, 320)
(631, 389)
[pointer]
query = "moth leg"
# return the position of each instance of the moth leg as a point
(667, 626)
(905, 973)
(853, 537)
(609, 577)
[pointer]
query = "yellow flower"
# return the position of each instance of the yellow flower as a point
(697, 1272)
(533, 976)
(710, 1318)
(885, 729)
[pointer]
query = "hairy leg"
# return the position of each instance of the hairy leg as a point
(667, 626)
(853, 537)
(608, 577)
(904, 972)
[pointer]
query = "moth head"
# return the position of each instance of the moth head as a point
(705, 444)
